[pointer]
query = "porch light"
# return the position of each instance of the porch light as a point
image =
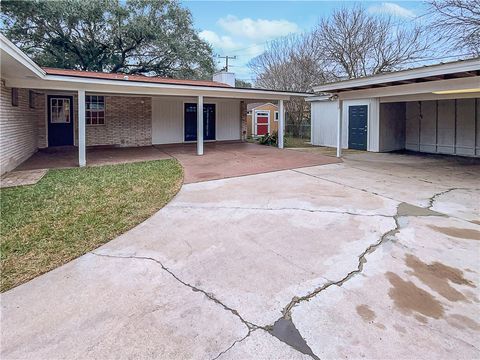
(459, 91)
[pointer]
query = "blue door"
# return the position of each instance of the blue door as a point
(191, 122)
(60, 120)
(357, 127)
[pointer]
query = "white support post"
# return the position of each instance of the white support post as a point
(82, 158)
(281, 123)
(200, 125)
(339, 128)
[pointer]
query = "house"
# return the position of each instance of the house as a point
(46, 108)
(431, 109)
(262, 118)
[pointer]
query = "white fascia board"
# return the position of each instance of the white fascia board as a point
(139, 88)
(7, 46)
(412, 89)
(318, 98)
(434, 70)
(119, 86)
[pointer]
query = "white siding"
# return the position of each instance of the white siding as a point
(443, 126)
(324, 123)
(228, 120)
(167, 119)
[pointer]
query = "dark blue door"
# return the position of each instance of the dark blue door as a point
(357, 127)
(191, 122)
(60, 120)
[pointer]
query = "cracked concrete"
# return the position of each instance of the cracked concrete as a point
(375, 259)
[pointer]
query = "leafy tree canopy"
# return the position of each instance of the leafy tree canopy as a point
(151, 37)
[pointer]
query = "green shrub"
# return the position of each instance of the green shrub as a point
(271, 139)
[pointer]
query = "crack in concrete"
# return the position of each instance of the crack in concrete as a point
(233, 344)
(432, 199)
(346, 212)
(361, 261)
(250, 326)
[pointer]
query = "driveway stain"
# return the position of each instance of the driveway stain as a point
(365, 312)
(469, 234)
(461, 322)
(285, 331)
(437, 276)
(409, 298)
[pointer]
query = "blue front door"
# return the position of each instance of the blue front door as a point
(357, 127)
(60, 120)
(191, 122)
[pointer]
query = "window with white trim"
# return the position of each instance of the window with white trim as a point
(275, 118)
(95, 110)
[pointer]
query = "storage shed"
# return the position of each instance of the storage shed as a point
(433, 109)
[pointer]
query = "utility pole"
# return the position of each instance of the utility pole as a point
(226, 60)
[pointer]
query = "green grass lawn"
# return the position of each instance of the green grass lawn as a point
(72, 211)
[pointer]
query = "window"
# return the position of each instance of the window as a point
(31, 99)
(95, 110)
(276, 116)
(14, 97)
(59, 110)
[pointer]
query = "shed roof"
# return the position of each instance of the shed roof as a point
(443, 71)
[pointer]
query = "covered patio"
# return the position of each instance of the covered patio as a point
(221, 159)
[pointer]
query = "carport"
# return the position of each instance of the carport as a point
(432, 109)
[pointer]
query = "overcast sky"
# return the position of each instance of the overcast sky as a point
(242, 28)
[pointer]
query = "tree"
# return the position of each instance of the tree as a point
(458, 22)
(292, 64)
(356, 43)
(242, 84)
(151, 37)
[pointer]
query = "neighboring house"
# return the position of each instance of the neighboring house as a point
(432, 109)
(262, 118)
(43, 108)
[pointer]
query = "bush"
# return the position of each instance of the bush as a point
(271, 139)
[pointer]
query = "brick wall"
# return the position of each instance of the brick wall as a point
(18, 128)
(128, 122)
(243, 120)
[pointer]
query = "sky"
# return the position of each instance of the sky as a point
(242, 28)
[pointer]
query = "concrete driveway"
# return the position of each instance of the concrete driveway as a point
(376, 257)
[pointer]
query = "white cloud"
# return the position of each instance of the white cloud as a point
(258, 30)
(391, 9)
(219, 42)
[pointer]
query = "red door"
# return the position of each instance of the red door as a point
(262, 120)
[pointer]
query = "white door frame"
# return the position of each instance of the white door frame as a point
(267, 112)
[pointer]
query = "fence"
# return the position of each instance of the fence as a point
(301, 131)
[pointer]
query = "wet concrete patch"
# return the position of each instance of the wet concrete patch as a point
(285, 331)
(405, 209)
(409, 298)
(365, 312)
(437, 277)
(470, 234)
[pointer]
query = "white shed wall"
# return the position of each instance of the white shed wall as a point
(324, 123)
(443, 126)
(168, 122)
(324, 116)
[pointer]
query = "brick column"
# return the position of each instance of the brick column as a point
(243, 120)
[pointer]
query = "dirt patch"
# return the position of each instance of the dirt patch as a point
(437, 276)
(409, 298)
(365, 312)
(469, 234)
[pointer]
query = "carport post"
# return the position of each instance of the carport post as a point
(200, 125)
(281, 123)
(82, 159)
(339, 128)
